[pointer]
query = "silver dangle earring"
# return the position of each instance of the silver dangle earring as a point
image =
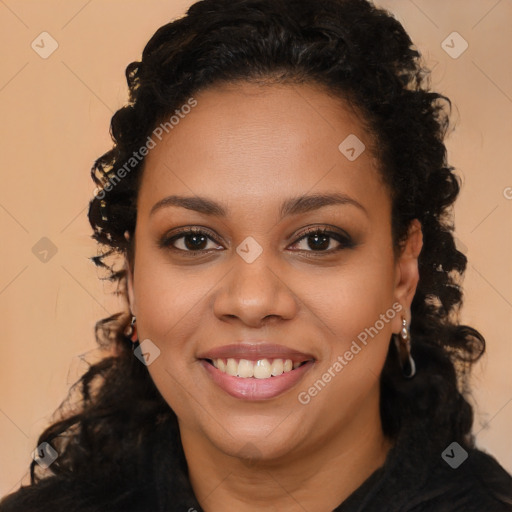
(131, 330)
(403, 345)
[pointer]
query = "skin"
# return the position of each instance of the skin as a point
(250, 147)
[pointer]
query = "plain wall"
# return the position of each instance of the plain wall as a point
(54, 121)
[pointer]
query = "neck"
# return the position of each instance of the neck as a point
(319, 477)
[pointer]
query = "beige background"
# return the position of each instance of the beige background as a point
(55, 114)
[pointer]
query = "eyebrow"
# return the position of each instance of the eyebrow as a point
(291, 206)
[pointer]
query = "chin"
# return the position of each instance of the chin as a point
(262, 438)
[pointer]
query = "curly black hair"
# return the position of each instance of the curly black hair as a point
(116, 433)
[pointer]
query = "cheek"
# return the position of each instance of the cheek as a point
(352, 297)
(355, 322)
(170, 311)
(169, 298)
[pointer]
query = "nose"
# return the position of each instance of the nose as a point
(254, 293)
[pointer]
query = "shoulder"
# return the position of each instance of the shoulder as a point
(58, 494)
(477, 484)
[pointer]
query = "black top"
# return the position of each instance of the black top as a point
(414, 478)
(404, 484)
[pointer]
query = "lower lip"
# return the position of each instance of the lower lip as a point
(256, 389)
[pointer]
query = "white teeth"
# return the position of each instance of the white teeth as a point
(277, 367)
(261, 369)
(231, 367)
(245, 368)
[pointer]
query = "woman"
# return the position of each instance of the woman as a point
(279, 197)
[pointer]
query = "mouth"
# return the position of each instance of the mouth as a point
(252, 371)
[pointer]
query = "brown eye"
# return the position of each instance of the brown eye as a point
(321, 240)
(189, 240)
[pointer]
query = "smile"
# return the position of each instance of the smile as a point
(255, 371)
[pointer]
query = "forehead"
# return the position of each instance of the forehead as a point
(250, 142)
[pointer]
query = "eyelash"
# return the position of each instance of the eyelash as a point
(343, 239)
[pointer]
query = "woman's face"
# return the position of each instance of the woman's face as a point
(261, 293)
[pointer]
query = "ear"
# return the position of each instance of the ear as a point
(407, 273)
(129, 287)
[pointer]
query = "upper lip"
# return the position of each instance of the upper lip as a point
(255, 351)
